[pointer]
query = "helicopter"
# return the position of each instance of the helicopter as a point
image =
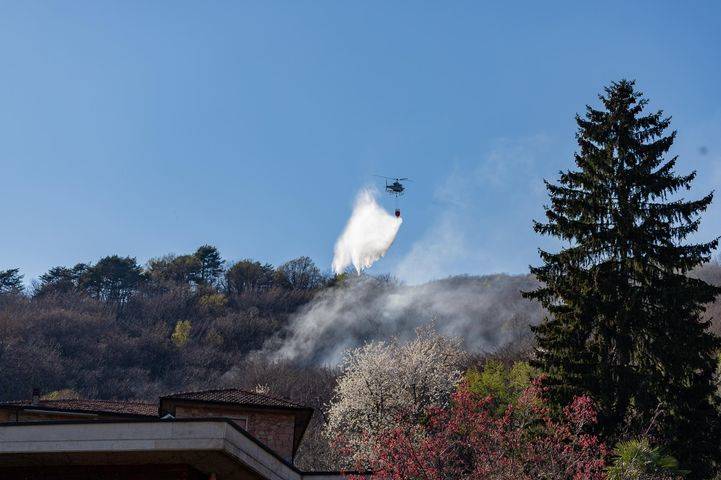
(396, 188)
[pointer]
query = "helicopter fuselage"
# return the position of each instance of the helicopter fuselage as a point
(395, 187)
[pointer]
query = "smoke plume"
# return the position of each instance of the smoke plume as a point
(368, 235)
(487, 312)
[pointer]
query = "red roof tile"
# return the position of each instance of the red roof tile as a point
(236, 396)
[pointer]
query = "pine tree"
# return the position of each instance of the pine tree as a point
(625, 320)
(211, 264)
(11, 281)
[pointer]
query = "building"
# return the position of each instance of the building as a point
(212, 435)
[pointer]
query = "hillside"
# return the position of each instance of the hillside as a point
(174, 332)
(72, 339)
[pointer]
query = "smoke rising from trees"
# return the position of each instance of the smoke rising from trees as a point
(486, 312)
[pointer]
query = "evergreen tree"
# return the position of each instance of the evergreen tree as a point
(58, 280)
(61, 279)
(248, 275)
(11, 281)
(113, 279)
(211, 264)
(184, 269)
(625, 321)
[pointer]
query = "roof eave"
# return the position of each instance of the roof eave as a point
(73, 411)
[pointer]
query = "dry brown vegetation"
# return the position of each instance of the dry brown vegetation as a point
(66, 337)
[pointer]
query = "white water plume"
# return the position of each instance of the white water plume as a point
(368, 235)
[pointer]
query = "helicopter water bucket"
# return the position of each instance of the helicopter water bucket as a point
(398, 212)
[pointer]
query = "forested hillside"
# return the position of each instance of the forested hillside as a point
(116, 329)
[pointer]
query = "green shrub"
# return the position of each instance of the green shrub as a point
(502, 383)
(638, 460)
(181, 334)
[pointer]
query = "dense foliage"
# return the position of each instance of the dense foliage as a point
(117, 329)
(625, 323)
(468, 440)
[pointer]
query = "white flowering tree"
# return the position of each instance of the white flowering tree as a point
(384, 384)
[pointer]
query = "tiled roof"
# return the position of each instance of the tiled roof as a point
(116, 407)
(236, 396)
(120, 407)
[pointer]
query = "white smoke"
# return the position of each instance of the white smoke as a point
(368, 235)
(486, 312)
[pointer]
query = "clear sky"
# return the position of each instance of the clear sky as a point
(148, 127)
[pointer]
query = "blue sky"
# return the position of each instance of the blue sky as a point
(145, 128)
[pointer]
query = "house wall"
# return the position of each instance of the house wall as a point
(274, 429)
(31, 416)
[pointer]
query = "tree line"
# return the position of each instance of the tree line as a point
(113, 279)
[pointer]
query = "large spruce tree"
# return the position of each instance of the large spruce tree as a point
(625, 320)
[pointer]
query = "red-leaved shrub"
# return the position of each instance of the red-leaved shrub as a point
(467, 441)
